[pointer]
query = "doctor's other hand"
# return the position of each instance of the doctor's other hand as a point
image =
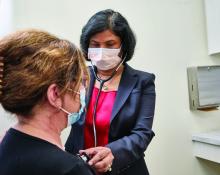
(101, 158)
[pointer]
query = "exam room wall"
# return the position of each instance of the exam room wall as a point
(171, 35)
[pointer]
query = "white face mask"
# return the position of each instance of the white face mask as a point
(104, 58)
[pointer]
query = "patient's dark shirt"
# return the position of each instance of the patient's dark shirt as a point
(22, 154)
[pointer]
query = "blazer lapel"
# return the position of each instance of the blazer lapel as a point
(125, 87)
(127, 83)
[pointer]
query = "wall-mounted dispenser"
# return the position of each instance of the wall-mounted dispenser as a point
(204, 87)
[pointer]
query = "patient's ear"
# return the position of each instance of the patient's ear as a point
(53, 96)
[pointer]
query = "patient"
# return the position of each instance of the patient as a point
(42, 83)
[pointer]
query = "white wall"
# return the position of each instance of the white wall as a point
(6, 13)
(171, 36)
(6, 26)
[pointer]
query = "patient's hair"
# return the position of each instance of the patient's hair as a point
(32, 60)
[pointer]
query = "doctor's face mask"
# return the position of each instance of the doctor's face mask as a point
(104, 58)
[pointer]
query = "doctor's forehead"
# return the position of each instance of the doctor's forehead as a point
(105, 36)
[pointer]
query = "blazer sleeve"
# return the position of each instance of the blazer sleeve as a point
(130, 148)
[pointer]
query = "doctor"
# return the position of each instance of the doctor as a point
(117, 127)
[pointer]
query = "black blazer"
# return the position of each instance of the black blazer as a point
(131, 122)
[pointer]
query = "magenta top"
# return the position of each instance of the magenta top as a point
(103, 117)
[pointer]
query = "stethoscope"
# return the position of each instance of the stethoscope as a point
(101, 81)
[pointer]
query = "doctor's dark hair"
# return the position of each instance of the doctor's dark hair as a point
(32, 60)
(109, 20)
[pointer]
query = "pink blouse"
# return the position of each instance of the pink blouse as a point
(103, 116)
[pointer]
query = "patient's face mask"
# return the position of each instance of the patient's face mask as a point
(75, 116)
(104, 58)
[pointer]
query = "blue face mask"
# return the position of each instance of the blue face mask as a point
(75, 116)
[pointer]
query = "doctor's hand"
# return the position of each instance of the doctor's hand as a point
(101, 158)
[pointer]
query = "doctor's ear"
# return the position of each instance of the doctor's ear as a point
(53, 95)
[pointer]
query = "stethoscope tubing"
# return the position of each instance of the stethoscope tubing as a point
(101, 81)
